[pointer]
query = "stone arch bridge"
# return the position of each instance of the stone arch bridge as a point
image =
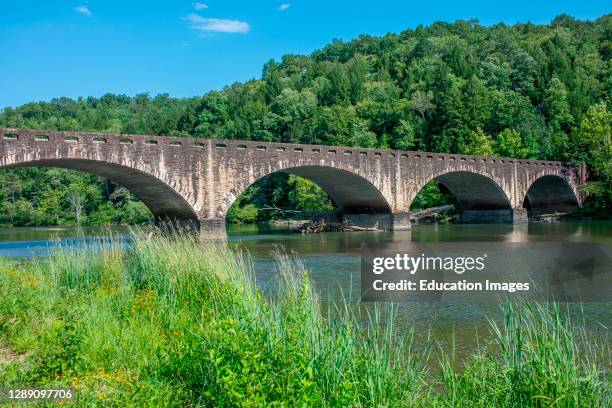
(197, 180)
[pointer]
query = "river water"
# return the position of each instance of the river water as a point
(333, 260)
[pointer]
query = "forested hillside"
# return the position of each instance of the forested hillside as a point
(527, 91)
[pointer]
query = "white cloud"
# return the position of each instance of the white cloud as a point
(199, 6)
(217, 24)
(83, 10)
(284, 6)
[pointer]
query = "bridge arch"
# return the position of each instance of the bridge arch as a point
(350, 192)
(550, 193)
(479, 196)
(160, 197)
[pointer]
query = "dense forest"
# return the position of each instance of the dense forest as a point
(526, 91)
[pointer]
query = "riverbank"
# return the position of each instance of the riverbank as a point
(445, 214)
(176, 322)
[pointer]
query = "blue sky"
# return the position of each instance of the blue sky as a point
(52, 48)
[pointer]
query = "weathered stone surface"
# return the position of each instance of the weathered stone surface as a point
(199, 179)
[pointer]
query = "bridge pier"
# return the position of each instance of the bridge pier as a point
(177, 224)
(384, 221)
(369, 220)
(213, 227)
(485, 216)
(401, 222)
(519, 216)
(514, 216)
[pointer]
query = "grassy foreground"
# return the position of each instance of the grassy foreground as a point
(180, 322)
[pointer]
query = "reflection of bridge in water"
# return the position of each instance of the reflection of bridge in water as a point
(197, 180)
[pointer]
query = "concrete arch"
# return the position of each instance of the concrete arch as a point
(550, 193)
(159, 196)
(350, 192)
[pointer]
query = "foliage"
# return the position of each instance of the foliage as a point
(282, 196)
(479, 144)
(509, 144)
(592, 142)
(433, 194)
(537, 362)
(523, 90)
(177, 321)
(35, 196)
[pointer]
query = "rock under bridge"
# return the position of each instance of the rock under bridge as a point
(195, 181)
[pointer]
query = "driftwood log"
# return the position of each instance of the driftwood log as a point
(320, 225)
(431, 215)
(549, 217)
(428, 215)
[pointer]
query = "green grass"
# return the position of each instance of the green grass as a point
(175, 321)
(538, 358)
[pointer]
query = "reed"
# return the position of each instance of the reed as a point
(539, 358)
(178, 321)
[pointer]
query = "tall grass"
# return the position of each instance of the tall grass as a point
(539, 358)
(176, 321)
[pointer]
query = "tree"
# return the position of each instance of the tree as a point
(556, 106)
(524, 72)
(476, 108)
(362, 135)
(13, 185)
(337, 125)
(592, 141)
(212, 115)
(307, 196)
(495, 73)
(335, 86)
(447, 125)
(383, 108)
(422, 102)
(295, 109)
(509, 144)
(592, 144)
(358, 68)
(51, 203)
(478, 144)
(77, 199)
(432, 194)
(559, 119)
(404, 135)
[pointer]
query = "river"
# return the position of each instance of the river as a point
(333, 260)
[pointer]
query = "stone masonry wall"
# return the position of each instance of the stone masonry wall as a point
(200, 178)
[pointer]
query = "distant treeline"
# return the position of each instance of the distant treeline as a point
(526, 91)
